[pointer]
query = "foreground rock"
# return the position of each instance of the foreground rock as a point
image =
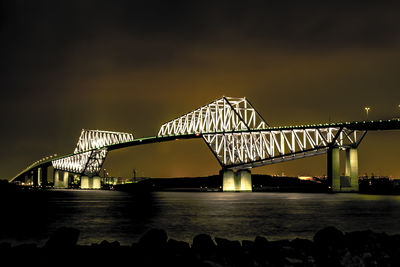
(329, 247)
(63, 238)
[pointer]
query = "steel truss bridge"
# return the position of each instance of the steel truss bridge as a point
(237, 135)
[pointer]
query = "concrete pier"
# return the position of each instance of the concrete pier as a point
(90, 182)
(35, 174)
(236, 181)
(39, 176)
(348, 182)
(61, 181)
(334, 169)
(96, 184)
(84, 182)
(352, 168)
(44, 176)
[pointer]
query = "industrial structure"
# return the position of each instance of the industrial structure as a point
(237, 135)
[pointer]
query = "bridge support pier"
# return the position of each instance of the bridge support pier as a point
(35, 177)
(236, 181)
(96, 184)
(44, 174)
(39, 177)
(349, 182)
(61, 181)
(352, 169)
(90, 182)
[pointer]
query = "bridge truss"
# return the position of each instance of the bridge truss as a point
(222, 115)
(234, 131)
(240, 138)
(255, 148)
(91, 151)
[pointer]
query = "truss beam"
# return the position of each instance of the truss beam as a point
(221, 115)
(243, 150)
(91, 151)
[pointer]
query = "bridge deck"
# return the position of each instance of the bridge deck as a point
(393, 124)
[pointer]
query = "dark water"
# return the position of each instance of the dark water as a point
(110, 215)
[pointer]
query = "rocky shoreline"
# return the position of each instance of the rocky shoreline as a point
(329, 247)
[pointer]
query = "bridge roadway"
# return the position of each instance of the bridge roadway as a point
(393, 124)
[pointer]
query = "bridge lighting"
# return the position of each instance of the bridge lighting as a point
(233, 130)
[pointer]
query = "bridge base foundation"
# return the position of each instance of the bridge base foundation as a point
(348, 182)
(61, 181)
(39, 176)
(90, 182)
(239, 181)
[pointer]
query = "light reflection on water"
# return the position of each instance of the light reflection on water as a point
(110, 215)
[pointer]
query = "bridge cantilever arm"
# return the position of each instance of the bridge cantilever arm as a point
(332, 144)
(212, 150)
(237, 114)
(257, 113)
(361, 138)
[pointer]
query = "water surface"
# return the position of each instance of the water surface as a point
(110, 215)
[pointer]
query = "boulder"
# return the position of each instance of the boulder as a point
(154, 239)
(367, 240)
(64, 237)
(178, 247)
(247, 245)
(226, 244)
(302, 244)
(261, 244)
(203, 242)
(329, 236)
(106, 244)
(204, 247)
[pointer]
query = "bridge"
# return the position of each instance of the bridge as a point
(236, 134)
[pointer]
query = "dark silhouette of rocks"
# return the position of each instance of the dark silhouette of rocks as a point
(155, 239)
(64, 237)
(204, 247)
(329, 247)
(329, 236)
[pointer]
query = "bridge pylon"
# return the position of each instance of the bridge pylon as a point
(88, 182)
(61, 179)
(348, 182)
(236, 181)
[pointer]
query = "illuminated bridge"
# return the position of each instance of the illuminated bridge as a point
(237, 135)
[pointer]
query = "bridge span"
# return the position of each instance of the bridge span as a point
(237, 135)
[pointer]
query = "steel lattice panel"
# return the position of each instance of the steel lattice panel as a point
(222, 115)
(92, 139)
(242, 150)
(91, 151)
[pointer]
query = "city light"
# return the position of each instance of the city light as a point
(367, 109)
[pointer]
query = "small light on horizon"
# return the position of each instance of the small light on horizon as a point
(367, 109)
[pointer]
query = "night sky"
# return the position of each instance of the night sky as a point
(132, 65)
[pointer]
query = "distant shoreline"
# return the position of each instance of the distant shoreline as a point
(261, 183)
